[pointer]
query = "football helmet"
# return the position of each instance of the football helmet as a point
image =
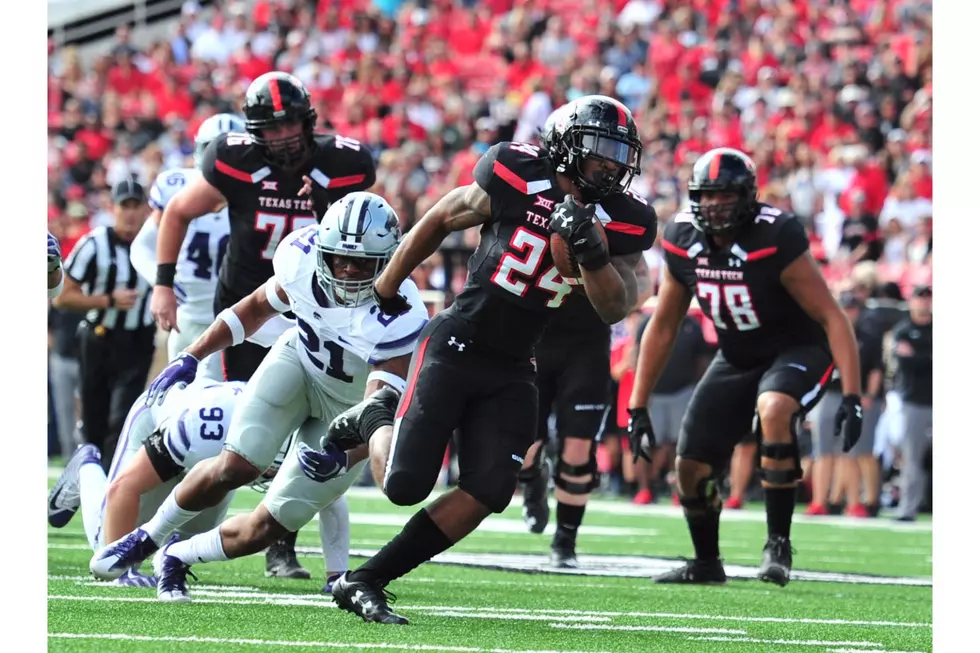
(594, 127)
(213, 127)
(274, 100)
(361, 225)
(729, 171)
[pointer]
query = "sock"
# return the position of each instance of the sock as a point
(568, 519)
(780, 502)
(92, 484)
(704, 534)
(288, 540)
(168, 518)
(205, 547)
(335, 535)
(419, 541)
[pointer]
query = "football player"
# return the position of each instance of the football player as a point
(578, 386)
(780, 332)
(56, 277)
(341, 349)
(158, 444)
(257, 176)
(472, 369)
(201, 252)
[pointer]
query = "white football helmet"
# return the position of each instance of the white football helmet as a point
(210, 129)
(361, 225)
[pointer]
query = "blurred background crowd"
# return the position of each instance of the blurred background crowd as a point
(832, 99)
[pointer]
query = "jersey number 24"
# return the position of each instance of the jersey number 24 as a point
(515, 273)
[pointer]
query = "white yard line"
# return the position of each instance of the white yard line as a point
(326, 601)
(612, 507)
(873, 646)
(269, 642)
(657, 629)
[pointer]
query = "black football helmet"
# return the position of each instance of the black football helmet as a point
(594, 127)
(723, 170)
(273, 100)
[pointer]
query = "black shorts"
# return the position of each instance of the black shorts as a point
(240, 361)
(574, 381)
(492, 402)
(724, 402)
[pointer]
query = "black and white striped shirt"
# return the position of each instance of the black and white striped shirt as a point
(100, 264)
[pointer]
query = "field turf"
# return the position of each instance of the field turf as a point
(870, 591)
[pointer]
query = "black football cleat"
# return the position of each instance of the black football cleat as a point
(366, 600)
(281, 562)
(695, 572)
(563, 552)
(345, 430)
(537, 512)
(777, 561)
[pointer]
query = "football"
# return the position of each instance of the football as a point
(565, 261)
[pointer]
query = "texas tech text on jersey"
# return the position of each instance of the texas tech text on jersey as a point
(739, 286)
(263, 202)
(513, 287)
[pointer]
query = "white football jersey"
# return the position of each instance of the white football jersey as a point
(196, 419)
(201, 252)
(341, 343)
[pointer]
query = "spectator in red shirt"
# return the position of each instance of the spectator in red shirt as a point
(124, 77)
(869, 178)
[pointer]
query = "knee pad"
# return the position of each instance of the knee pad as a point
(707, 498)
(494, 491)
(588, 469)
(779, 451)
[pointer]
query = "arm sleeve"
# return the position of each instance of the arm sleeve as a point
(143, 252)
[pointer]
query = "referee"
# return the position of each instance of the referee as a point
(116, 337)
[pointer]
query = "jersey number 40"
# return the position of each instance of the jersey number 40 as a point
(515, 273)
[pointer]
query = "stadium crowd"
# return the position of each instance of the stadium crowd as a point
(833, 100)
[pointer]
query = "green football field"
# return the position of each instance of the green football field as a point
(860, 585)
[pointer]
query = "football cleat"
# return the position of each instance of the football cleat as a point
(563, 552)
(133, 578)
(695, 572)
(65, 497)
(537, 512)
(172, 573)
(346, 430)
(367, 600)
(331, 579)
(281, 562)
(112, 561)
(777, 561)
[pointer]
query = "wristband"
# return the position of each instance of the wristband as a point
(388, 378)
(234, 325)
(165, 274)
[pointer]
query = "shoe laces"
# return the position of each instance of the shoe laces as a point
(780, 545)
(175, 575)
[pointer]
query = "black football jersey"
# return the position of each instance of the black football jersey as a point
(739, 285)
(263, 202)
(633, 230)
(513, 288)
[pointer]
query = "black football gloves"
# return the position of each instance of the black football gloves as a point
(848, 419)
(640, 427)
(575, 223)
